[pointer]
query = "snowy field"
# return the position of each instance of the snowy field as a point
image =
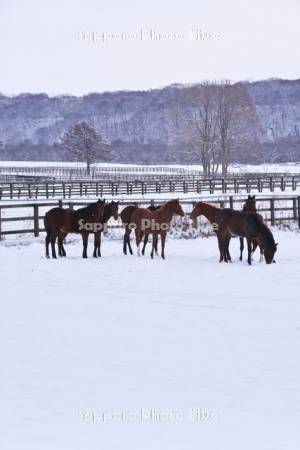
(134, 354)
(236, 168)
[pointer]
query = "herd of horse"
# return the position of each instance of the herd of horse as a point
(226, 222)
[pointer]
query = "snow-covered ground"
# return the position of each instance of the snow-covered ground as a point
(187, 353)
(237, 168)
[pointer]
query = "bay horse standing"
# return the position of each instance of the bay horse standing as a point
(110, 210)
(125, 215)
(59, 222)
(249, 226)
(250, 207)
(156, 223)
(211, 213)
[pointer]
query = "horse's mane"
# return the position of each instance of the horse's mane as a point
(173, 200)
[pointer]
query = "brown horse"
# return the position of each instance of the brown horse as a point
(243, 224)
(211, 213)
(59, 222)
(110, 210)
(125, 215)
(156, 223)
(250, 207)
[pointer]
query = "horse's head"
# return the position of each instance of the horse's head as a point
(176, 207)
(269, 253)
(197, 210)
(114, 207)
(99, 208)
(250, 204)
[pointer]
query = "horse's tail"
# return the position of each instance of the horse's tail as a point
(46, 224)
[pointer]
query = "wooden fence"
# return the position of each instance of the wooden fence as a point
(276, 210)
(70, 172)
(65, 189)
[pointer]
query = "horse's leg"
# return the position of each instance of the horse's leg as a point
(60, 240)
(85, 239)
(163, 241)
(154, 245)
(138, 238)
(125, 243)
(220, 248)
(249, 245)
(60, 245)
(47, 242)
(53, 240)
(241, 248)
(128, 233)
(96, 243)
(155, 240)
(145, 243)
(261, 257)
(99, 245)
(227, 241)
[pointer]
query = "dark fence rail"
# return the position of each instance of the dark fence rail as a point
(68, 171)
(71, 189)
(275, 210)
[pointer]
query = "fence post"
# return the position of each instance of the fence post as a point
(295, 209)
(298, 201)
(0, 222)
(198, 187)
(36, 219)
(231, 202)
(272, 211)
(60, 203)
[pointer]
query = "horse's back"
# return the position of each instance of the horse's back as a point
(139, 214)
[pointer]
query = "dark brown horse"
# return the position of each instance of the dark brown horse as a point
(250, 207)
(125, 215)
(211, 213)
(59, 222)
(110, 210)
(156, 223)
(249, 226)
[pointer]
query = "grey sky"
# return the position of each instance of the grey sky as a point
(41, 50)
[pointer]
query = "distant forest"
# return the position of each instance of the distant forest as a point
(210, 123)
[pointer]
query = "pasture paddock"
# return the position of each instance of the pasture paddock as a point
(47, 189)
(27, 218)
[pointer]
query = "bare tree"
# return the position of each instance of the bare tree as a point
(220, 119)
(83, 142)
(202, 123)
(236, 120)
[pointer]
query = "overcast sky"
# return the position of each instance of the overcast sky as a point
(42, 49)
